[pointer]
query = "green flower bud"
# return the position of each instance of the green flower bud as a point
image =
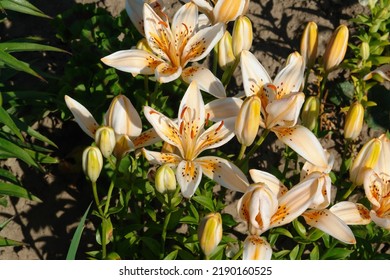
(105, 139)
(354, 121)
(242, 35)
(92, 162)
(310, 112)
(165, 179)
(210, 233)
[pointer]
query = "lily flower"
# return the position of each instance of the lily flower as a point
(189, 136)
(122, 117)
(281, 103)
(134, 9)
(222, 11)
(377, 186)
(256, 248)
(383, 71)
(173, 46)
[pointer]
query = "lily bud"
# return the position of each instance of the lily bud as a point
(310, 112)
(143, 45)
(92, 162)
(165, 179)
(248, 120)
(105, 139)
(210, 233)
(256, 248)
(309, 44)
(367, 158)
(225, 51)
(365, 50)
(242, 35)
(354, 121)
(123, 146)
(336, 48)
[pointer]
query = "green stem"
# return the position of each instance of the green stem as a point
(322, 87)
(254, 147)
(349, 191)
(242, 153)
(301, 250)
(306, 79)
(164, 233)
(238, 254)
(229, 73)
(96, 197)
(215, 60)
(103, 239)
(325, 255)
(109, 194)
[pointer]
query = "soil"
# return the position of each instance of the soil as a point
(47, 228)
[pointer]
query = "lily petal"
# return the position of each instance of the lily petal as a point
(383, 222)
(184, 23)
(373, 187)
(133, 61)
(383, 71)
(227, 10)
(161, 158)
(329, 223)
(224, 173)
(223, 108)
(166, 73)
(256, 248)
(188, 175)
(270, 180)
(284, 111)
(254, 74)
(165, 127)
(351, 213)
(205, 79)
(383, 164)
(82, 116)
(201, 43)
(134, 11)
(146, 138)
(304, 142)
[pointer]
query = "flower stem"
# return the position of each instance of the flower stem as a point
(238, 254)
(109, 194)
(164, 233)
(254, 147)
(229, 73)
(96, 197)
(349, 191)
(242, 153)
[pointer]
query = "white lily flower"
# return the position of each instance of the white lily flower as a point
(377, 186)
(351, 213)
(383, 71)
(256, 248)
(122, 117)
(173, 48)
(222, 11)
(190, 138)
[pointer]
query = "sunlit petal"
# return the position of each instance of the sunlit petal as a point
(82, 116)
(133, 61)
(161, 158)
(206, 80)
(201, 43)
(304, 142)
(227, 10)
(215, 136)
(290, 78)
(165, 127)
(329, 223)
(308, 167)
(224, 173)
(373, 187)
(184, 23)
(351, 213)
(383, 164)
(383, 71)
(188, 175)
(256, 248)
(270, 180)
(254, 74)
(166, 73)
(134, 11)
(284, 111)
(146, 138)
(223, 108)
(383, 222)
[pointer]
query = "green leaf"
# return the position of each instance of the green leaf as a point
(9, 242)
(205, 201)
(6, 119)
(338, 254)
(152, 244)
(27, 47)
(22, 6)
(294, 253)
(18, 65)
(8, 176)
(9, 149)
(30, 131)
(17, 191)
(42, 158)
(315, 253)
(74, 244)
(5, 223)
(172, 255)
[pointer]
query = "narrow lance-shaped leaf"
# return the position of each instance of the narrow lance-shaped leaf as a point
(22, 6)
(10, 149)
(17, 191)
(16, 64)
(22, 46)
(6, 119)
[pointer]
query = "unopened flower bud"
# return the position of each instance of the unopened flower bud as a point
(105, 139)
(92, 162)
(256, 248)
(310, 112)
(309, 44)
(165, 179)
(143, 45)
(242, 35)
(248, 120)
(225, 51)
(210, 233)
(336, 48)
(354, 121)
(367, 158)
(365, 50)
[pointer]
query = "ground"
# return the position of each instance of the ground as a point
(47, 228)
